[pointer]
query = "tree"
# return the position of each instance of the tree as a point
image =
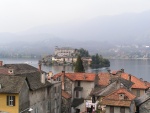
(79, 65)
(83, 52)
(99, 61)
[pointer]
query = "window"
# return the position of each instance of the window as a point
(111, 109)
(77, 94)
(10, 100)
(78, 83)
(48, 105)
(36, 110)
(138, 93)
(122, 110)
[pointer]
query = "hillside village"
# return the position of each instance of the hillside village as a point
(24, 88)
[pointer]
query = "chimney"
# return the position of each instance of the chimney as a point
(122, 70)
(129, 77)
(43, 78)
(63, 79)
(109, 71)
(1, 63)
(39, 67)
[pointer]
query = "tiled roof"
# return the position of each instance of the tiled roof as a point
(137, 82)
(4, 71)
(78, 76)
(21, 68)
(113, 98)
(77, 101)
(120, 103)
(34, 80)
(125, 82)
(66, 94)
(147, 84)
(104, 79)
(11, 84)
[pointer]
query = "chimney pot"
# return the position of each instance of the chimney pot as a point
(63, 80)
(1, 63)
(40, 67)
(43, 78)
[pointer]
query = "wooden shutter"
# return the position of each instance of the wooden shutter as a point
(7, 100)
(111, 109)
(13, 100)
(122, 110)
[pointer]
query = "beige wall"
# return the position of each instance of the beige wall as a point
(134, 91)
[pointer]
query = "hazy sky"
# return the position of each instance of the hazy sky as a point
(19, 15)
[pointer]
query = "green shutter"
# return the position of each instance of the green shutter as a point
(13, 100)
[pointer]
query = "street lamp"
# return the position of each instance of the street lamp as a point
(29, 109)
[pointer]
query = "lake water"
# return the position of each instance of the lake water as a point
(137, 67)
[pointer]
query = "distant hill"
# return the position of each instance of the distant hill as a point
(93, 35)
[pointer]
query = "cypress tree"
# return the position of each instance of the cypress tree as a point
(79, 65)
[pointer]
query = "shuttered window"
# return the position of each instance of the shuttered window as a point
(10, 100)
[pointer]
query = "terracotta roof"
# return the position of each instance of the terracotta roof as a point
(138, 84)
(147, 84)
(113, 98)
(66, 94)
(78, 76)
(122, 103)
(115, 95)
(104, 79)
(4, 71)
(11, 84)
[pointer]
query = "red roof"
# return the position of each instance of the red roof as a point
(115, 95)
(66, 94)
(104, 79)
(138, 84)
(78, 76)
(4, 71)
(113, 98)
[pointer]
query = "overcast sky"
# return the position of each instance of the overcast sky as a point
(20, 15)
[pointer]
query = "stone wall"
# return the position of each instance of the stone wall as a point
(24, 97)
(145, 107)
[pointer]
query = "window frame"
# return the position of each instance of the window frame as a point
(10, 100)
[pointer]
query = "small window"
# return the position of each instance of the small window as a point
(77, 94)
(48, 105)
(10, 100)
(78, 83)
(36, 110)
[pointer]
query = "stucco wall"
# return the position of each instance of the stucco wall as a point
(87, 87)
(9, 109)
(134, 91)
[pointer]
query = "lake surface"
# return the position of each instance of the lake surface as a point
(137, 67)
